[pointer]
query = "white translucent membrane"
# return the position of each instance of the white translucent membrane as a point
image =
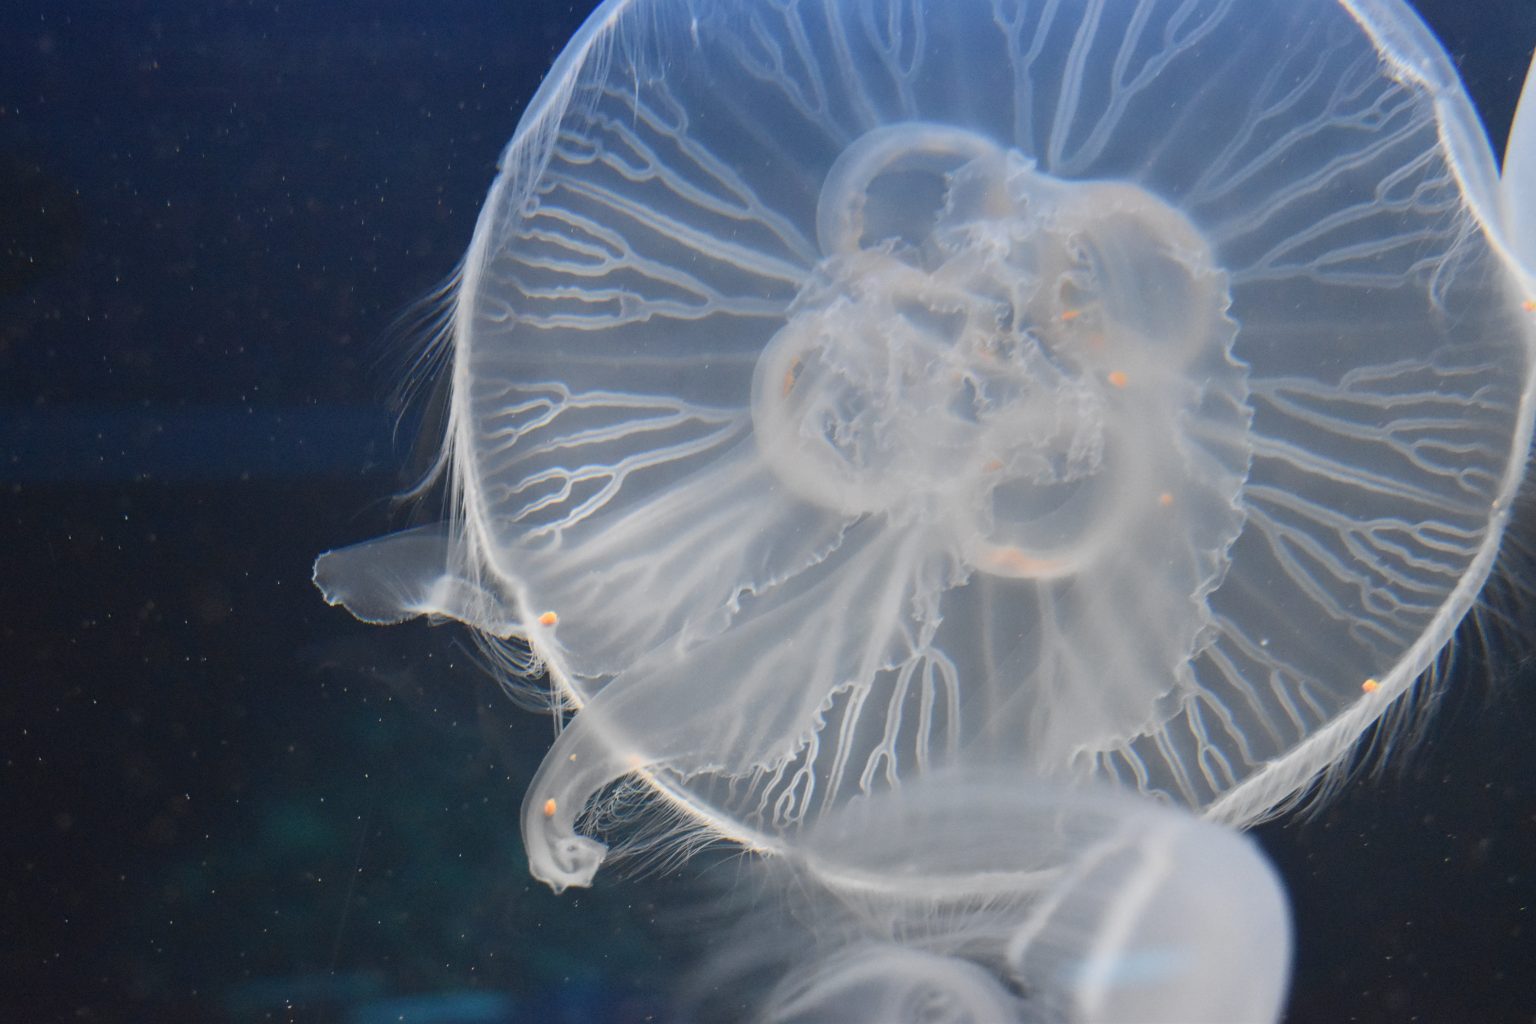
(987, 899)
(849, 390)
(1519, 177)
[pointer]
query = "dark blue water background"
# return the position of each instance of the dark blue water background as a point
(221, 800)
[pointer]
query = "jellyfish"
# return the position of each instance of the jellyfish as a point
(1062, 904)
(954, 448)
(1115, 391)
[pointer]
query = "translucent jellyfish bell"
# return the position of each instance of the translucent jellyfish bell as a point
(849, 390)
(1058, 904)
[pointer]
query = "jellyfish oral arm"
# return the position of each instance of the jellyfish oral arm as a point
(583, 763)
(404, 575)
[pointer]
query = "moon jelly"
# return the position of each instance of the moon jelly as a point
(846, 393)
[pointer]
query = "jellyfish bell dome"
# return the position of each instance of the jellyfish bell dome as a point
(852, 390)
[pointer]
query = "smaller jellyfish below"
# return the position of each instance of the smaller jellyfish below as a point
(987, 899)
